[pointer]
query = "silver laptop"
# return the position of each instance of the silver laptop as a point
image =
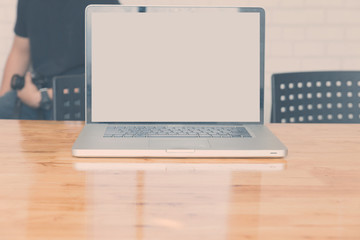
(175, 82)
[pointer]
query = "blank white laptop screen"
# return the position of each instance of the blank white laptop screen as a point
(175, 67)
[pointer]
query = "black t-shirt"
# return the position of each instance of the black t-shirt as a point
(55, 29)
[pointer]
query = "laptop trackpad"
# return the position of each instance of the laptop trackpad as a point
(179, 144)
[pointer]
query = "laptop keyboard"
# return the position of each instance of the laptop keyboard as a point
(176, 131)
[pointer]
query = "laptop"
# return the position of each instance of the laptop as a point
(175, 82)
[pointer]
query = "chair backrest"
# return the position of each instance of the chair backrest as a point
(316, 97)
(69, 97)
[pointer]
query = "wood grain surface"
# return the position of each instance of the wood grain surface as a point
(45, 193)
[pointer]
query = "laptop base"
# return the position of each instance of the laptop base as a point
(263, 144)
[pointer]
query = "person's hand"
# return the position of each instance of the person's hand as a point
(30, 95)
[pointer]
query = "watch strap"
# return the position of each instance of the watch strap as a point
(45, 102)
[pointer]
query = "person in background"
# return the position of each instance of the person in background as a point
(49, 41)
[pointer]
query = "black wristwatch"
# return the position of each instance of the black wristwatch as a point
(45, 102)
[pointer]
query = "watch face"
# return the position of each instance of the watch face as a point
(17, 82)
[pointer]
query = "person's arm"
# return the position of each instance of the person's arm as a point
(17, 63)
(30, 94)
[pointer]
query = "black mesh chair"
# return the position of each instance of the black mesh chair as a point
(69, 97)
(316, 97)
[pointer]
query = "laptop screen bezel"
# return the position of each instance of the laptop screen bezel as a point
(113, 8)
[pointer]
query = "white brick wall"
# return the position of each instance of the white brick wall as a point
(7, 18)
(301, 35)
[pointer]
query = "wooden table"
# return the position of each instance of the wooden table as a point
(45, 193)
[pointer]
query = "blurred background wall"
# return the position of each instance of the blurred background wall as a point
(301, 35)
(7, 21)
